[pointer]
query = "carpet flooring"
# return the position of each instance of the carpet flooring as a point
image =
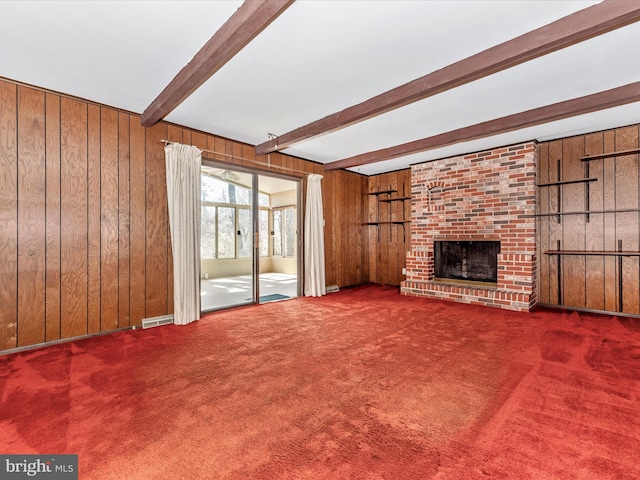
(360, 384)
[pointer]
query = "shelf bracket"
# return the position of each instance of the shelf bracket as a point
(586, 190)
(559, 191)
(559, 274)
(620, 297)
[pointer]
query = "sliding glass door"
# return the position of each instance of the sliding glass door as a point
(227, 247)
(250, 242)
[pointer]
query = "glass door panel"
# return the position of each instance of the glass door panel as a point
(226, 241)
(279, 241)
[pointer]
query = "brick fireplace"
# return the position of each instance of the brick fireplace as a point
(485, 196)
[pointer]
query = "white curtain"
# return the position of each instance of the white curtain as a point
(183, 194)
(314, 279)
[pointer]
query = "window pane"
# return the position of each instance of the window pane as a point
(213, 190)
(208, 233)
(290, 232)
(244, 224)
(239, 195)
(263, 200)
(226, 232)
(277, 233)
(264, 232)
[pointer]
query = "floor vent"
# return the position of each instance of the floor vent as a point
(333, 289)
(157, 321)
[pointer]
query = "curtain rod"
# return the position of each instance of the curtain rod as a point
(169, 142)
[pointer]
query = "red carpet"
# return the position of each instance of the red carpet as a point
(361, 384)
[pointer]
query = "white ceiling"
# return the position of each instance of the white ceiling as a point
(318, 58)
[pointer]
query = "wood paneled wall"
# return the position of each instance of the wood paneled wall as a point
(84, 237)
(388, 243)
(590, 281)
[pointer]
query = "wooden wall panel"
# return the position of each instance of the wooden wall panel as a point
(595, 281)
(329, 233)
(123, 221)
(406, 206)
(627, 222)
(372, 232)
(388, 243)
(137, 228)
(609, 187)
(74, 217)
(594, 240)
(392, 238)
(94, 176)
(109, 216)
(157, 223)
(52, 185)
(337, 218)
(555, 223)
(573, 226)
(8, 216)
(542, 225)
(31, 216)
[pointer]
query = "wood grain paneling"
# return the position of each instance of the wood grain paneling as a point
(595, 282)
(627, 222)
(388, 243)
(329, 233)
(542, 226)
(123, 221)
(52, 267)
(109, 219)
(8, 216)
(74, 217)
(137, 229)
(555, 223)
(573, 272)
(157, 223)
(31, 216)
(609, 193)
(594, 240)
(92, 251)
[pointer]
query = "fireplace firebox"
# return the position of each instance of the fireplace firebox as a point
(467, 261)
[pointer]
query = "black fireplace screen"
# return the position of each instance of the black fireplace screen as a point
(475, 261)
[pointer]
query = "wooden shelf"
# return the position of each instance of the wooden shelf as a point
(396, 222)
(394, 199)
(594, 252)
(388, 211)
(382, 192)
(567, 182)
(610, 154)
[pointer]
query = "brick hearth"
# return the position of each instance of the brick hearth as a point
(481, 196)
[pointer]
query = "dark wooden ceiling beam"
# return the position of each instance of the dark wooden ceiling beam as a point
(570, 108)
(578, 27)
(249, 20)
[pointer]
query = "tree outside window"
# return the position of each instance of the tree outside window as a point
(284, 232)
(224, 213)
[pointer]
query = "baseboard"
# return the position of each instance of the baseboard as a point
(157, 321)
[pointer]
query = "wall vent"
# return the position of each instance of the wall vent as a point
(157, 321)
(332, 289)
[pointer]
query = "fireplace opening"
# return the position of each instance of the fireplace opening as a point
(467, 261)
